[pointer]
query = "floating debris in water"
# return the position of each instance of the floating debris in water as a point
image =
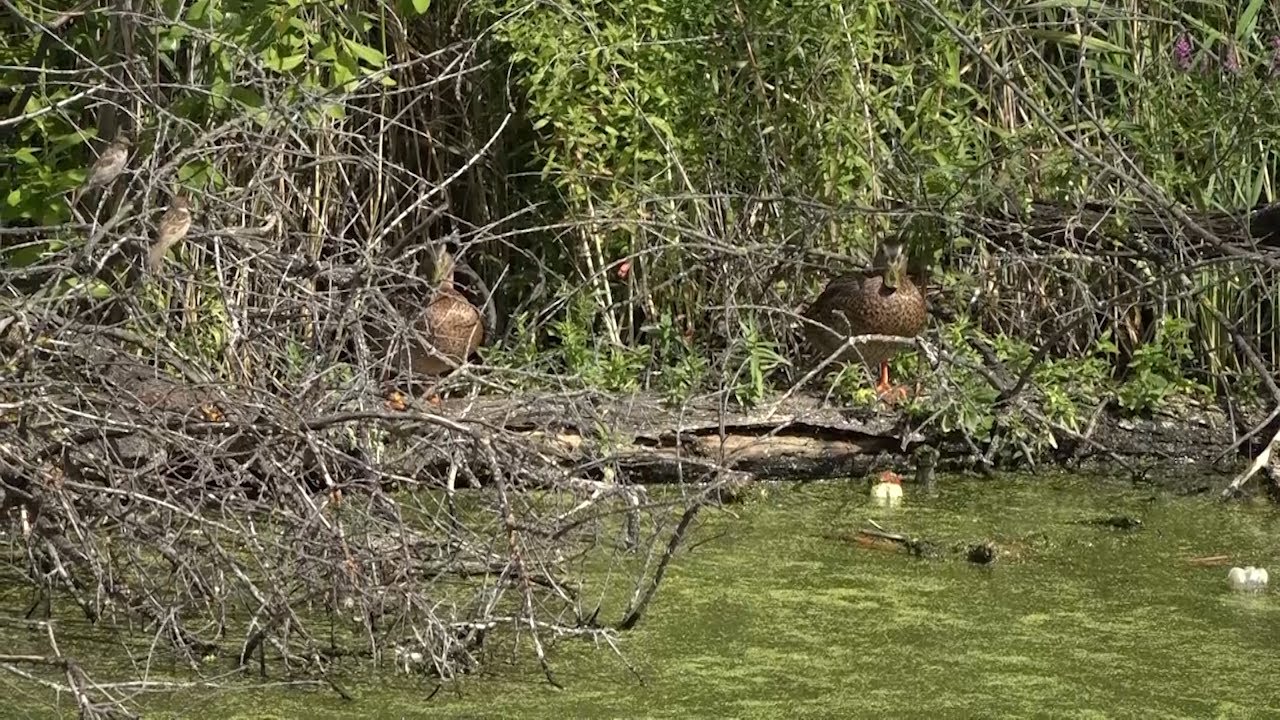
(1210, 560)
(880, 539)
(983, 553)
(887, 491)
(1119, 522)
(926, 457)
(1247, 579)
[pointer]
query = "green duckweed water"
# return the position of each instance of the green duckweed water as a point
(767, 616)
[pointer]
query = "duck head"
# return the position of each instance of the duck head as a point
(442, 267)
(891, 259)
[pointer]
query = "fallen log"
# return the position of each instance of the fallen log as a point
(576, 435)
(809, 439)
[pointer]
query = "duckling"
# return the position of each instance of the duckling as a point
(887, 491)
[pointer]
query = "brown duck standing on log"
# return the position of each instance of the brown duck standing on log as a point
(451, 324)
(881, 300)
(448, 331)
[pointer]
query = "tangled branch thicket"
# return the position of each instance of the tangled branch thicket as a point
(640, 197)
(206, 454)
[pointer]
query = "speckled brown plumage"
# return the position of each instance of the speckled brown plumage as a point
(172, 229)
(866, 303)
(450, 324)
(454, 327)
(109, 164)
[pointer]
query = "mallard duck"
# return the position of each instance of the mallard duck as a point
(881, 300)
(450, 324)
(444, 334)
(887, 490)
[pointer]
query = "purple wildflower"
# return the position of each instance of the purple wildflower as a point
(1231, 61)
(1182, 52)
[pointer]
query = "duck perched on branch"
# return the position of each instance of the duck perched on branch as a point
(881, 300)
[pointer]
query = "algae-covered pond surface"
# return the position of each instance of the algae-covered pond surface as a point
(766, 615)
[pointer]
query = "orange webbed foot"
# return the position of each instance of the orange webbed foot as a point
(396, 401)
(886, 391)
(892, 394)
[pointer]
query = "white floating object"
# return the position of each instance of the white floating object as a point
(1247, 579)
(1259, 577)
(1236, 578)
(888, 491)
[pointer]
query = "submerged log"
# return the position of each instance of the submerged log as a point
(881, 540)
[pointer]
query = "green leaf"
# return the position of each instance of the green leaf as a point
(247, 97)
(344, 75)
(366, 53)
(275, 61)
(168, 43)
(71, 139)
(325, 53)
(662, 125)
(421, 6)
(303, 28)
(1077, 39)
(219, 90)
(1248, 20)
(198, 11)
(28, 255)
(194, 172)
(1112, 70)
(99, 290)
(1259, 182)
